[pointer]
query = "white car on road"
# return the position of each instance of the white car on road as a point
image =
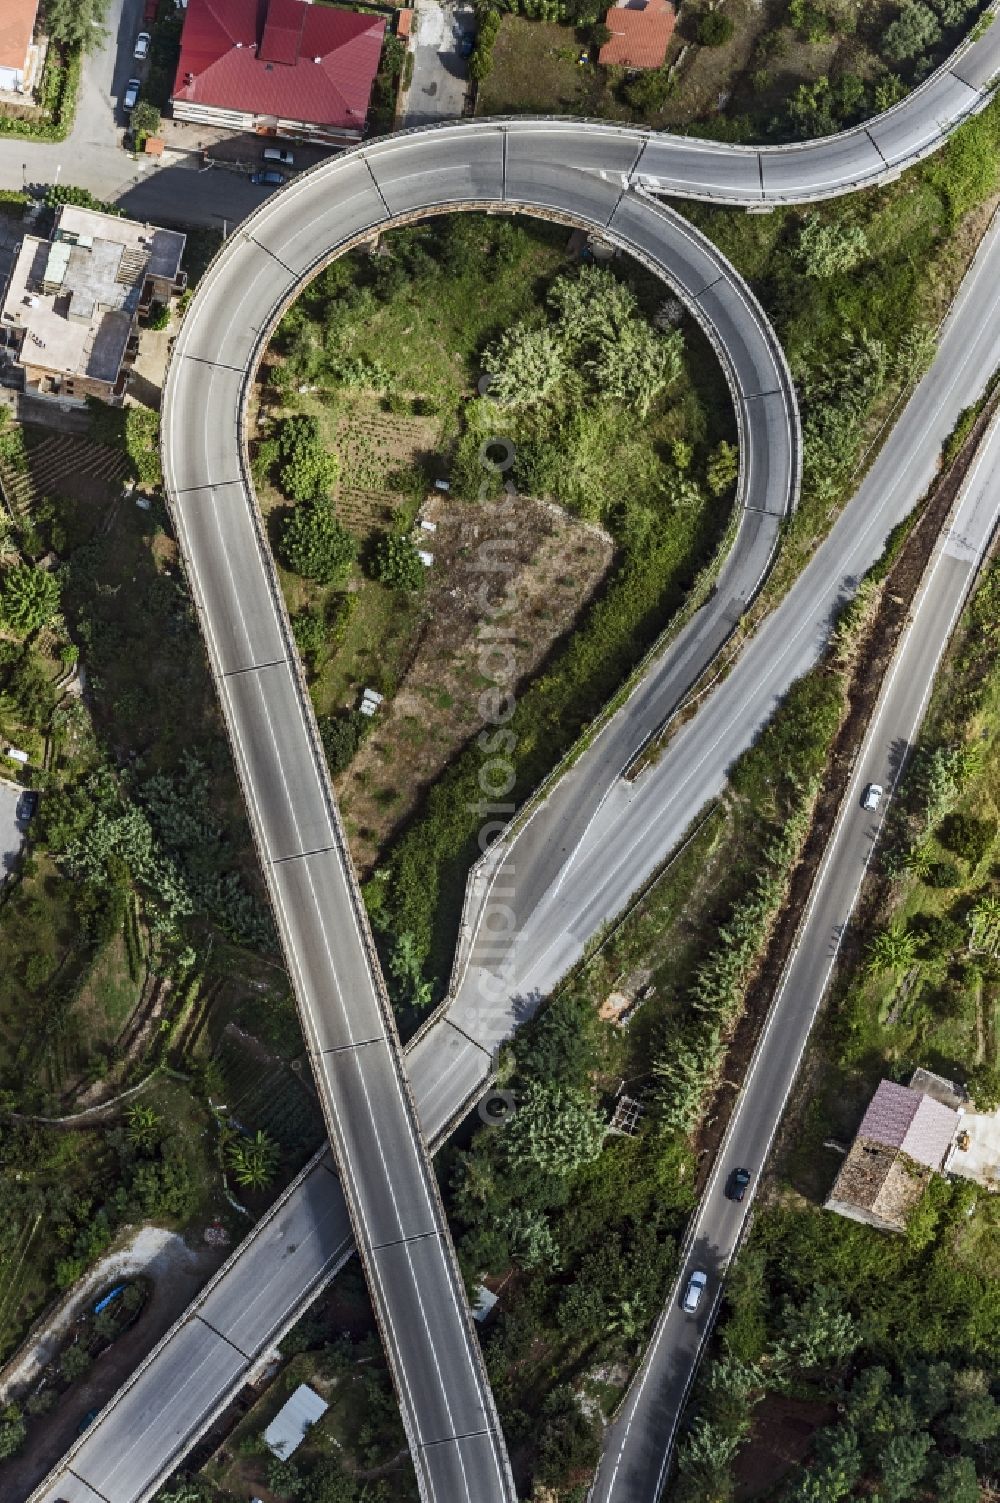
(872, 796)
(694, 1291)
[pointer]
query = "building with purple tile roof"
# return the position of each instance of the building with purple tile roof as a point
(905, 1136)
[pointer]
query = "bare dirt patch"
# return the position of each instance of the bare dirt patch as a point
(553, 565)
(781, 1434)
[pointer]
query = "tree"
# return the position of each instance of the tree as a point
(817, 1330)
(76, 1360)
(309, 631)
(952, 13)
(715, 29)
(397, 563)
(526, 365)
(529, 1235)
(29, 598)
(144, 120)
(829, 250)
(555, 1128)
(635, 363)
(902, 1463)
(13, 1430)
(568, 1439)
(306, 470)
(142, 444)
(143, 1127)
(968, 836)
(315, 545)
(341, 735)
(912, 34)
(254, 1161)
(723, 468)
(77, 23)
(984, 923)
(975, 1420)
(955, 1481)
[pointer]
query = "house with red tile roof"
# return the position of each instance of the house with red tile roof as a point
(640, 32)
(278, 67)
(17, 26)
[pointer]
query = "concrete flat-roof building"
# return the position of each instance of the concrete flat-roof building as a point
(71, 304)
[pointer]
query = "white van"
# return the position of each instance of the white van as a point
(278, 154)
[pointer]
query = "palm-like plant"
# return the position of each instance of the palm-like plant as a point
(143, 1127)
(253, 1161)
(893, 950)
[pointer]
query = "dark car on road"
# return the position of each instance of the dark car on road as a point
(466, 44)
(131, 96)
(26, 806)
(739, 1183)
(269, 179)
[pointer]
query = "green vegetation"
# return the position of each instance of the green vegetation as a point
(53, 120)
(76, 23)
(143, 122)
(335, 1349)
(898, 1331)
(857, 327)
(739, 72)
(567, 350)
(29, 598)
(135, 919)
(396, 563)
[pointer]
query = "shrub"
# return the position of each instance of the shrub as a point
(342, 734)
(715, 29)
(314, 544)
(29, 598)
(968, 836)
(142, 444)
(306, 471)
(161, 318)
(397, 563)
(944, 874)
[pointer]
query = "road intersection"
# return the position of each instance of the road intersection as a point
(587, 173)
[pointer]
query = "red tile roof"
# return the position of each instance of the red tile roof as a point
(17, 22)
(279, 57)
(640, 34)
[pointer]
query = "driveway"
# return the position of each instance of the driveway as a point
(92, 156)
(440, 73)
(12, 829)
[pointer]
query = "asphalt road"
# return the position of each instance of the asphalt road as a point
(636, 1453)
(13, 827)
(398, 1220)
(561, 165)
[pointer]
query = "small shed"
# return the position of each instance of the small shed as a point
(288, 1429)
